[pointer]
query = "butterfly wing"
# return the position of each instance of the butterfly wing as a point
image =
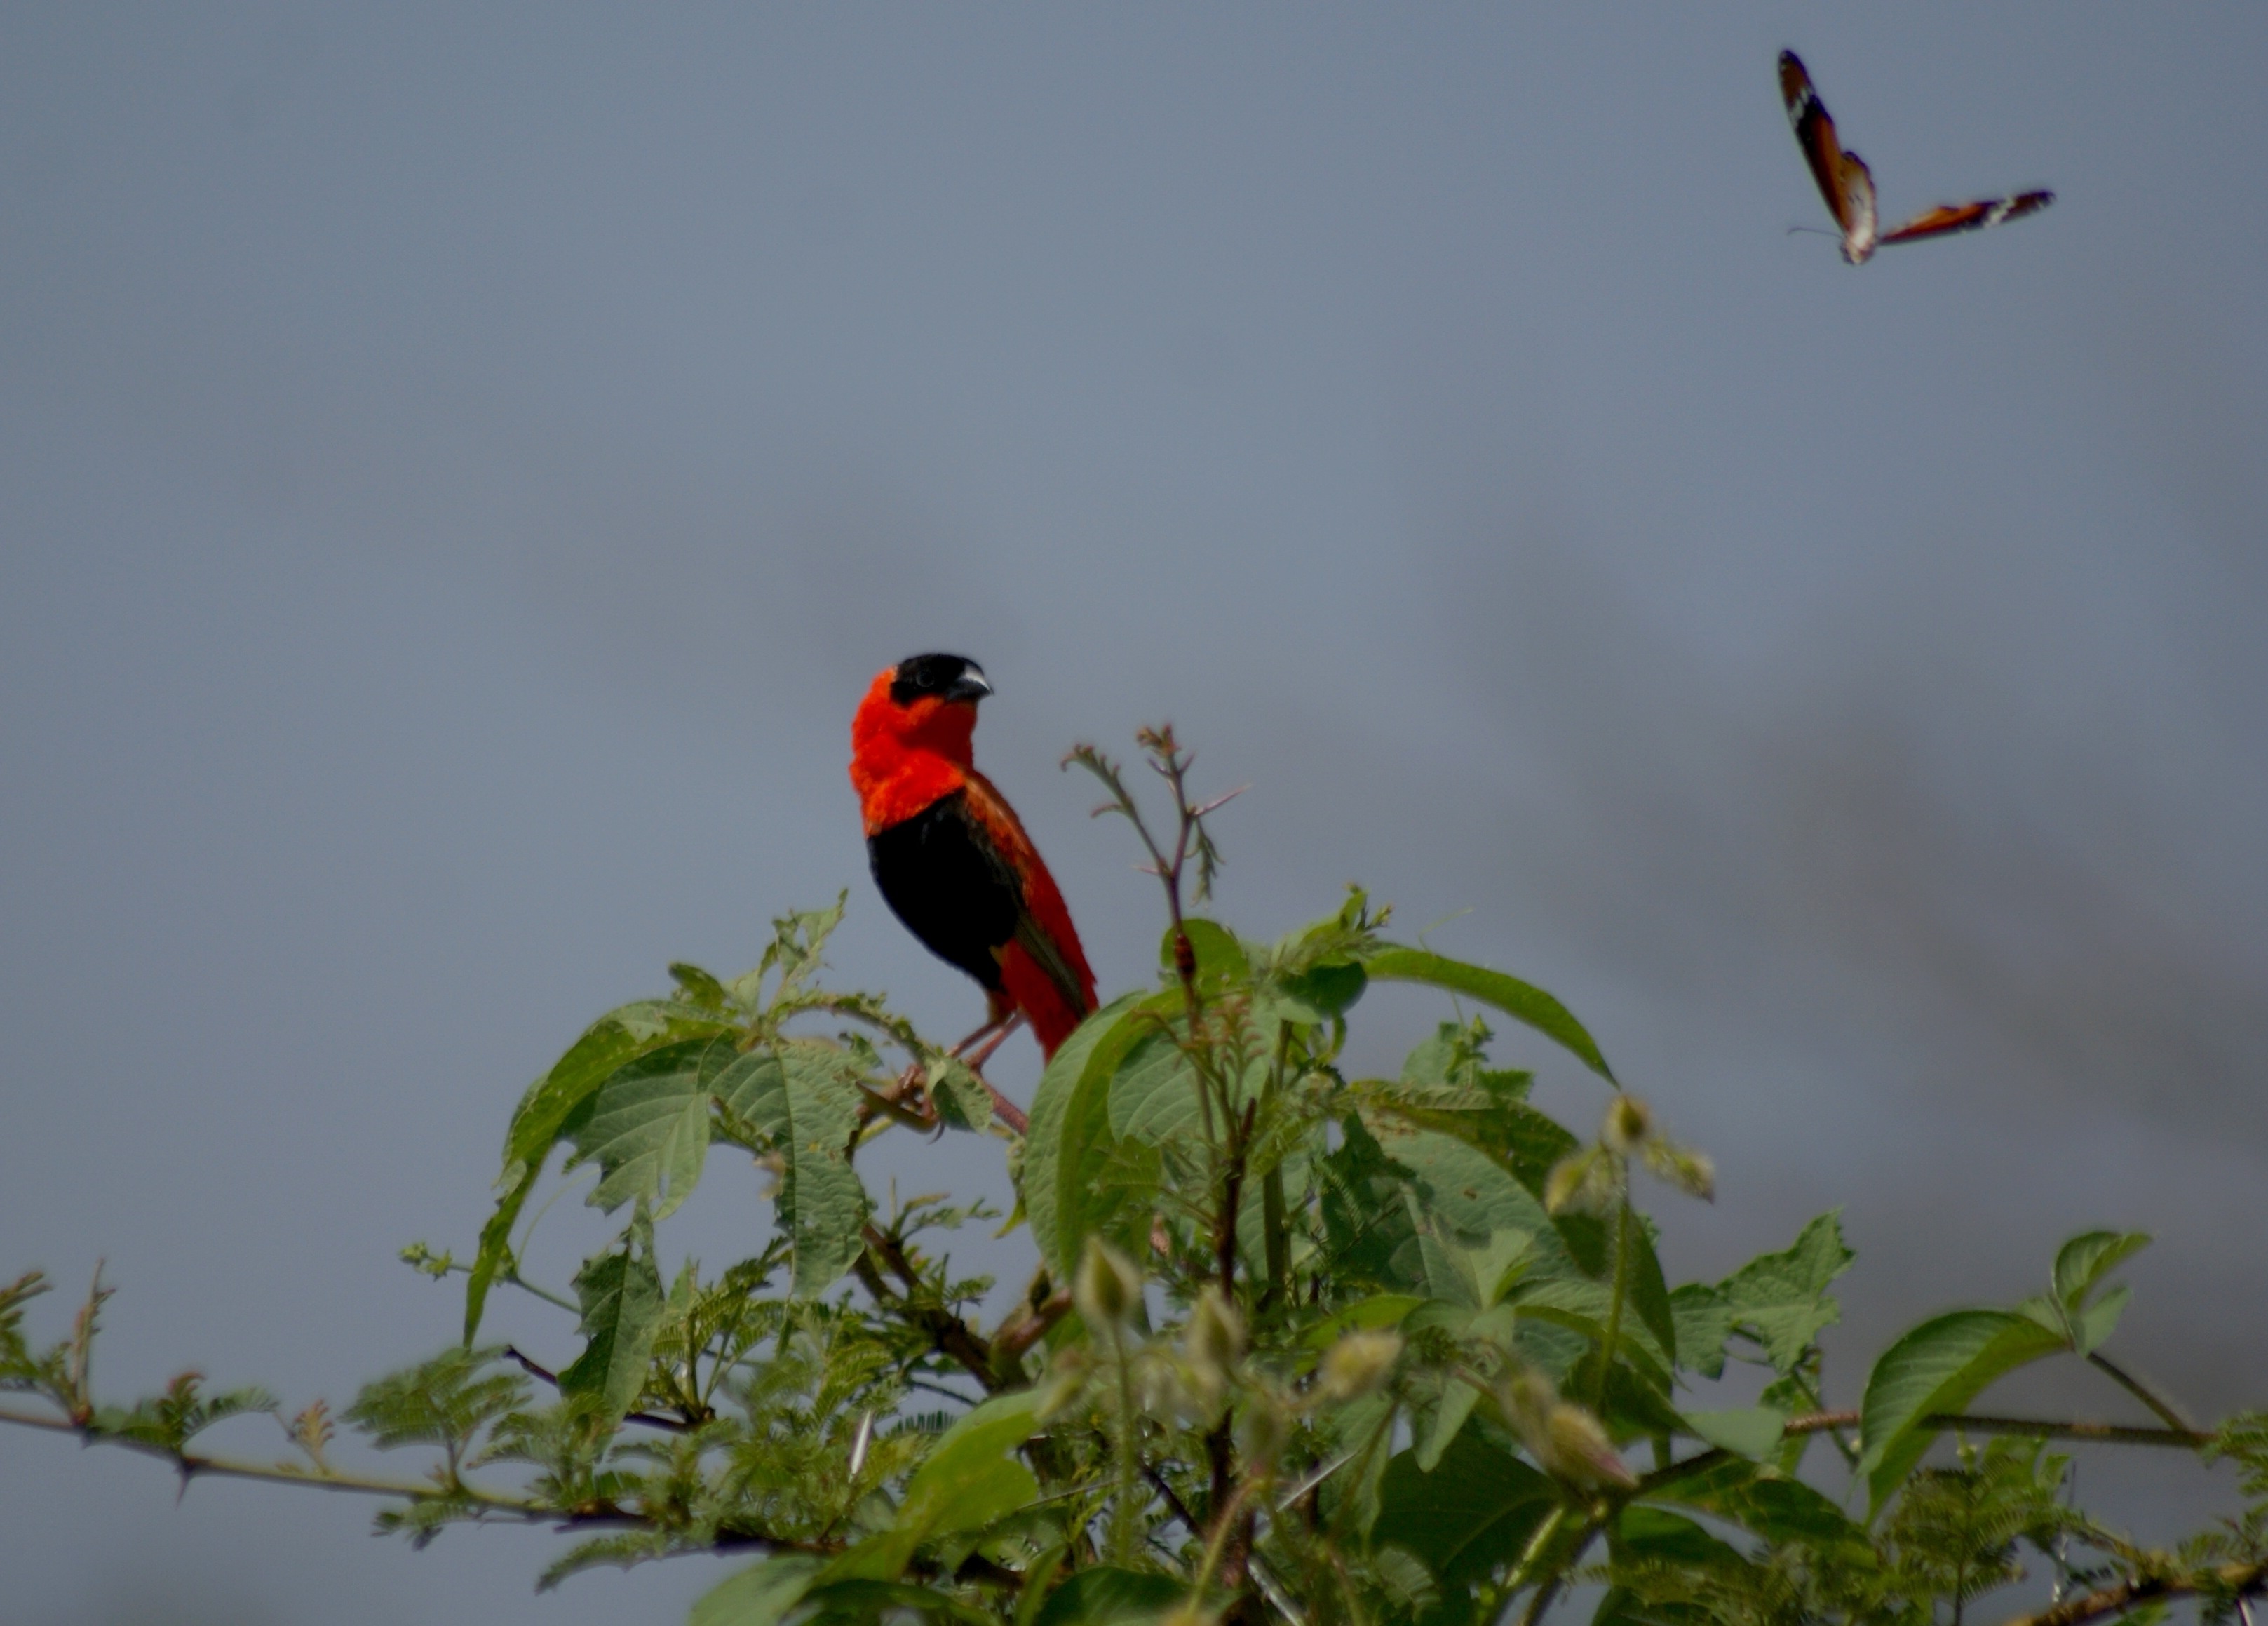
(1858, 212)
(1947, 218)
(1815, 133)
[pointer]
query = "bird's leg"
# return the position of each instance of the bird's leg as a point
(994, 1034)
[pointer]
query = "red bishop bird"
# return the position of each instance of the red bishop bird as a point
(952, 857)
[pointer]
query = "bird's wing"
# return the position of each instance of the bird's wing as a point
(1043, 928)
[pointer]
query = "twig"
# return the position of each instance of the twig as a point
(2167, 1411)
(2241, 1580)
(190, 1464)
(2033, 1427)
(948, 1332)
(544, 1374)
(1172, 1498)
(1028, 1323)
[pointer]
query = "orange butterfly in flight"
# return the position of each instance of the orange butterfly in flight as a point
(1848, 185)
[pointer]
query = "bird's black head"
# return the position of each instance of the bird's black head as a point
(943, 677)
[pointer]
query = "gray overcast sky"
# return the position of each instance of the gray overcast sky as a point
(459, 465)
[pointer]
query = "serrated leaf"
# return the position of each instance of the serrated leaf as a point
(805, 1097)
(1521, 1000)
(759, 1595)
(1782, 1297)
(1153, 1094)
(1704, 1321)
(614, 1040)
(962, 1101)
(620, 1296)
(1939, 1366)
(648, 1126)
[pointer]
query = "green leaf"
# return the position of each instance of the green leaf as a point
(1651, 1535)
(1473, 1215)
(1767, 1504)
(1751, 1431)
(805, 1097)
(1063, 1110)
(857, 1601)
(1103, 1595)
(612, 1042)
(1781, 1298)
(1220, 958)
(1475, 1511)
(1585, 1307)
(1379, 1310)
(1939, 1366)
(2083, 1261)
(961, 1099)
(648, 1126)
(1327, 990)
(1069, 1154)
(1704, 1321)
(444, 1402)
(698, 988)
(1153, 1093)
(969, 1480)
(1522, 1001)
(622, 1300)
(2098, 1320)
(759, 1595)
(1458, 1399)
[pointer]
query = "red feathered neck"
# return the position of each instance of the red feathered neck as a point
(905, 756)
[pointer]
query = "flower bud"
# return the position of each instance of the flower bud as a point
(1690, 1171)
(1263, 1431)
(1577, 1449)
(1629, 1123)
(1108, 1288)
(1583, 1182)
(1213, 1343)
(1566, 1440)
(1356, 1364)
(1528, 1397)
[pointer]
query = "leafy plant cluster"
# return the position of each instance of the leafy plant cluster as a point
(1302, 1344)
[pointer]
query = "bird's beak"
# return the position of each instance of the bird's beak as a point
(970, 686)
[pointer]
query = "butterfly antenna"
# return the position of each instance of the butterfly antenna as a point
(1820, 230)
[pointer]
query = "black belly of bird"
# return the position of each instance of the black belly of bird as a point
(952, 891)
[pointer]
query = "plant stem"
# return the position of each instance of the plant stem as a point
(2167, 1411)
(1548, 1593)
(1615, 1304)
(1121, 1521)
